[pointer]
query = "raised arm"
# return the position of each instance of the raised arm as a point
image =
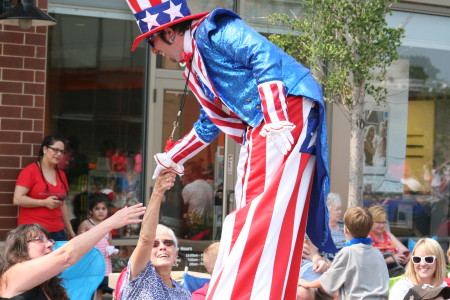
(31, 273)
(142, 253)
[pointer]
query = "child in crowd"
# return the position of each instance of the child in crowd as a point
(98, 210)
(358, 271)
(209, 260)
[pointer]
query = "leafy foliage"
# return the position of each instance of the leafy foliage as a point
(343, 42)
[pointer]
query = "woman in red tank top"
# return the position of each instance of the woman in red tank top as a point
(384, 240)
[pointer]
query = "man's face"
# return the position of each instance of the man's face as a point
(172, 50)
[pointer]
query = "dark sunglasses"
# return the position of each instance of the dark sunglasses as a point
(150, 39)
(428, 259)
(167, 243)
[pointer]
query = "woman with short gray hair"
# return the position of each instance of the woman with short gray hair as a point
(149, 268)
(334, 205)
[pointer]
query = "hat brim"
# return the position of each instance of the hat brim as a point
(441, 291)
(143, 36)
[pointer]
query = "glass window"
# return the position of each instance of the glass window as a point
(256, 12)
(96, 101)
(193, 207)
(407, 142)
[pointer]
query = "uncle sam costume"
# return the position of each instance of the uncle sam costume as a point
(261, 97)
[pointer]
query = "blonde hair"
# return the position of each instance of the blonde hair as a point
(210, 256)
(431, 247)
(358, 222)
(377, 213)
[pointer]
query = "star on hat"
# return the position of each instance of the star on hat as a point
(150, 20)
(156, 15)
(174, 11)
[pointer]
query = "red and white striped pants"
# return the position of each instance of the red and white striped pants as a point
(262, 240)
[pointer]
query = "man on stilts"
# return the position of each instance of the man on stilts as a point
(266, 101)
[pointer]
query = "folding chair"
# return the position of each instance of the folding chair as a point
(191, 282)
(396, 269)
(119, 285)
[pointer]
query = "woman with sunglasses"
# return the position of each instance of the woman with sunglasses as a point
(29, 267)
(41, 189)
(148, 272)
(426, 266)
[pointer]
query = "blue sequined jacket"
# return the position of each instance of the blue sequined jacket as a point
(237, 60)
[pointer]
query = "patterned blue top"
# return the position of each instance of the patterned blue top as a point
(339, 240)
(149, 286)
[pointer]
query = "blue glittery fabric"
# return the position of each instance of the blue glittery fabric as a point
(237, 60)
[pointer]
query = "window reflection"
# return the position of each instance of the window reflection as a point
(412, 184)
(193, 207)
(96, 100)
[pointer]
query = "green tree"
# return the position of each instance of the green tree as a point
(348, 46)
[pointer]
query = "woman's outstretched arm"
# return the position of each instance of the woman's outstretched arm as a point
(142, 253)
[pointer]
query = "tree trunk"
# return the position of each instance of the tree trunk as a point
(355, 185)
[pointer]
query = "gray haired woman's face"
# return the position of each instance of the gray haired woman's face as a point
(335, 212)
(164, 252)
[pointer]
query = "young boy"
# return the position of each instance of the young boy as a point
(358, 271)
(209, 260)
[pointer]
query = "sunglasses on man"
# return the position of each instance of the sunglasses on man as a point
(150, 39)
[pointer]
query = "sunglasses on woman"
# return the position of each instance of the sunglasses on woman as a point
(167, 243)
(427, 259)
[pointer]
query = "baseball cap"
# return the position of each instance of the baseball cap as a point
(426, 291)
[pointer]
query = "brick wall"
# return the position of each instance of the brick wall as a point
(23, 55)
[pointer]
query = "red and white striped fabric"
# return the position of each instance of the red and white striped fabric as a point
(273, 101)
(262, 240)
(139, 5)
(217, 111)
(186, 148)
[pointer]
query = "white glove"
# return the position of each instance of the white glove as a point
(110, 250)
(279, 135)
(164, 162)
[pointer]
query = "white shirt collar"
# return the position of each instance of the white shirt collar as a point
(188, 41)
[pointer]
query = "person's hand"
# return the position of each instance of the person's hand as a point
(282, 140)
(164, 162)
(111, 251)
(126, 215)
(407, 255)
(165, 181)
(401, 258)
(303, 283)
(279, 135)
(52, 202)
(306, 252)
(320, 266)
(70, 234)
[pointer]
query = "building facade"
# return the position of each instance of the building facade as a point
(116, 108)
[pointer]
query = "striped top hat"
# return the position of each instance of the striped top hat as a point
(155, 15)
